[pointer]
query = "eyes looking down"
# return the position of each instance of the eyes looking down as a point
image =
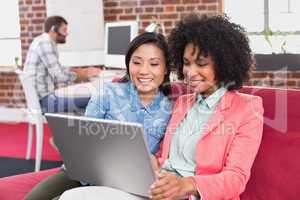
(198, 70)
(147, 68)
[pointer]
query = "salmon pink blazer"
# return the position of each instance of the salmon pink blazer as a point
(230, 142)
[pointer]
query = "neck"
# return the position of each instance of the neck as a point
(146, 98)
(209, 92)
(52, 37)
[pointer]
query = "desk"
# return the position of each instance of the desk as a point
(88, 88)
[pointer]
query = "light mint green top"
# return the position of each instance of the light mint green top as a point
(181, 159)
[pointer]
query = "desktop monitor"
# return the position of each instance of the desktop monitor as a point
(117, 38)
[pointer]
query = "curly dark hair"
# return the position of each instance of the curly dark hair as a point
(158, 40)
(224, 41)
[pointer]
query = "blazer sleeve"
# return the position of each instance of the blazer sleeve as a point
(231, 181)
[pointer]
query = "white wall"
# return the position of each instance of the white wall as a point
(10, 43)
(85, 42)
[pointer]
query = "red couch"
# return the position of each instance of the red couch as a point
(276, 170)
(16, 187)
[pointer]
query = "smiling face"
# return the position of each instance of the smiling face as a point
(199, 71)
(147, 68)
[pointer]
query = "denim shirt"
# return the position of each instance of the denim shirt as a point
(120, 101)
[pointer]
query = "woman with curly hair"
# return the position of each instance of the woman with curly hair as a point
(214, 133)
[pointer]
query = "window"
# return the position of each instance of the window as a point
(275, 18)
(10, 42)
(284, 15)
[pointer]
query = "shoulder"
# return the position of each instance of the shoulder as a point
(119, 89)
(107, 93)
(41, 39)
(166, 103)
(41, 43)
(242, 99)
(36, 42)
(243, 106)
(183, 99)
(112, 89)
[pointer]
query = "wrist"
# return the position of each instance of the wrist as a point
(190, 186)
(81, 76)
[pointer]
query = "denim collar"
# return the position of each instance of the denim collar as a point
(136, 103)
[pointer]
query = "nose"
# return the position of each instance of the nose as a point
(144, 69)
(191, 71)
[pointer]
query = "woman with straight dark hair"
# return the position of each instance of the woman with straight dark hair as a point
(141, 97)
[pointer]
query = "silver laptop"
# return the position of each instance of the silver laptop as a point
(104, 152)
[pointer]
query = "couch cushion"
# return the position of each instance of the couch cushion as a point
(16, 187)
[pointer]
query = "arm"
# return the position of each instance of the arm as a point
(98, 105)
(231, 181)
(83, 74)
(155, 163)
(49, 58)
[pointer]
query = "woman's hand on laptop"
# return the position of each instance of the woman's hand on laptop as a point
(169, 186)
(155, 163)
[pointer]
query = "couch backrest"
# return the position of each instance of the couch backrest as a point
(281, 108)
(276, 170)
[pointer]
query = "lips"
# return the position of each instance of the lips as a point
(194, 82)
(145, 81)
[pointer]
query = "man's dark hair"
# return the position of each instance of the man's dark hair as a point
(158, 40)
(224, 41)
(54, 22)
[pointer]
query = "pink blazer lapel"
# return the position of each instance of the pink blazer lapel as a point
(179, 112)
(182, 108)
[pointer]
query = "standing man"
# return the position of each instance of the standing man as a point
(43, 66)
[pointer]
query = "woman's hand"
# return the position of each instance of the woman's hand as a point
(170, 187)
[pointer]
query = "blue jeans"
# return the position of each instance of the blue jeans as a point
(54, 104)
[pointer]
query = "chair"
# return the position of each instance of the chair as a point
(34, 116)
